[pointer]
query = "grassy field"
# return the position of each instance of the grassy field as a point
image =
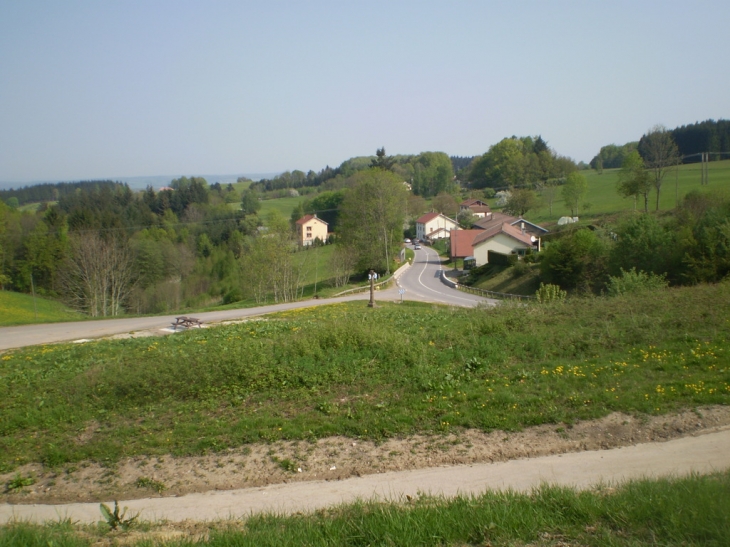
(604, 199)
(365, 373)
(688, 511)
(23, 309)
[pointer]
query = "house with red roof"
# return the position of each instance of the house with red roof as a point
(506, 239)
(462, 243)
(435, 226)
(310, 228)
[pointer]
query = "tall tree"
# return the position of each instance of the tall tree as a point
(250, 203)
(446, 204)
(382, 161)
(660, 153)
(574, 191)
(371, 217)
(99, 275)
(521, 201)
(633, 180)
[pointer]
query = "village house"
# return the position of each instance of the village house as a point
(309, 229)
(474, 206)
(504, 239)
(434, 226)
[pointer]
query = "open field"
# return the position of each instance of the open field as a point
(22, 309)
(687, 511)
(604, 199)
(364, 373)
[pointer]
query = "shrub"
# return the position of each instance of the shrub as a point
(633, 281)
(550, 293)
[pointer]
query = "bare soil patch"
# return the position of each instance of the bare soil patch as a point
(338, 458)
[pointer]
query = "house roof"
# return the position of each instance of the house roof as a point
(479, 208)
(492, 220)
(505, 228)
(307, 218)
(427, 217)
(532, 224)
(470, 202)
(462, 242)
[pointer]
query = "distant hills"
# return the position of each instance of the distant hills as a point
(140, 183)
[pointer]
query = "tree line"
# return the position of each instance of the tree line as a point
(428, 173)
(691, 140)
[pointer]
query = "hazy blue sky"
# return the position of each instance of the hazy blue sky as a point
(92, 89)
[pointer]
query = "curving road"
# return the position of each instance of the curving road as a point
(421, 282)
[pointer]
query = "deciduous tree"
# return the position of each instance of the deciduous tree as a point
(633, 180)
(371, 217)
(574, 191)
(660, 154)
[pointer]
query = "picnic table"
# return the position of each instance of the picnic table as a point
(186, 322)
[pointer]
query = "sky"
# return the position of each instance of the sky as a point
(104, 89)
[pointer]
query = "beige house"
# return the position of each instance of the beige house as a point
(309, 228)
(434, 226)
(504, 239)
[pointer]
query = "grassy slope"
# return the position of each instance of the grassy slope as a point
(22, 309)
(604, 199)
(350, 370)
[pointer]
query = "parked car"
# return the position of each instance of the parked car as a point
(416, 246)
(406, 240)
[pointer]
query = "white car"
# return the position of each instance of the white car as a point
(416, 247)
(406, 240)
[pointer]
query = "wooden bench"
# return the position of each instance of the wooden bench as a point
(187, 322)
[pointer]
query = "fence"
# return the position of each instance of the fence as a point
(493, 294)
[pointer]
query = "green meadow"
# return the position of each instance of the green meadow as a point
(602, 197)
(350, 370)
(23, 309)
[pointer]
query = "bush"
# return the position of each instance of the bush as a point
(633, 281)
(550, 293)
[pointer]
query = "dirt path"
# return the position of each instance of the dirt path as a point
(303, 476)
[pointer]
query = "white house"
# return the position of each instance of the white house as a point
(434, 226)
(504, 239)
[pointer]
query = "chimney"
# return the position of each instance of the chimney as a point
(522, 227)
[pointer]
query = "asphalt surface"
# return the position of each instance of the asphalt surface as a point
(421, 282)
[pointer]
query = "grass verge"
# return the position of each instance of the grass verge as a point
(686, 511)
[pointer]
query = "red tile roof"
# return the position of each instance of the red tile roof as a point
(425, 218)
(505, 228)
(462, 242)
(307, 218)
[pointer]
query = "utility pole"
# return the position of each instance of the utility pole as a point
(372, 276)
(32, 290)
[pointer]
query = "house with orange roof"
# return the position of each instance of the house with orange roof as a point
(309, 229)
(435, 226)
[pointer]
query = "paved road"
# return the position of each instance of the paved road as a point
(30, 335)
(702, 454)
(421, 282)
